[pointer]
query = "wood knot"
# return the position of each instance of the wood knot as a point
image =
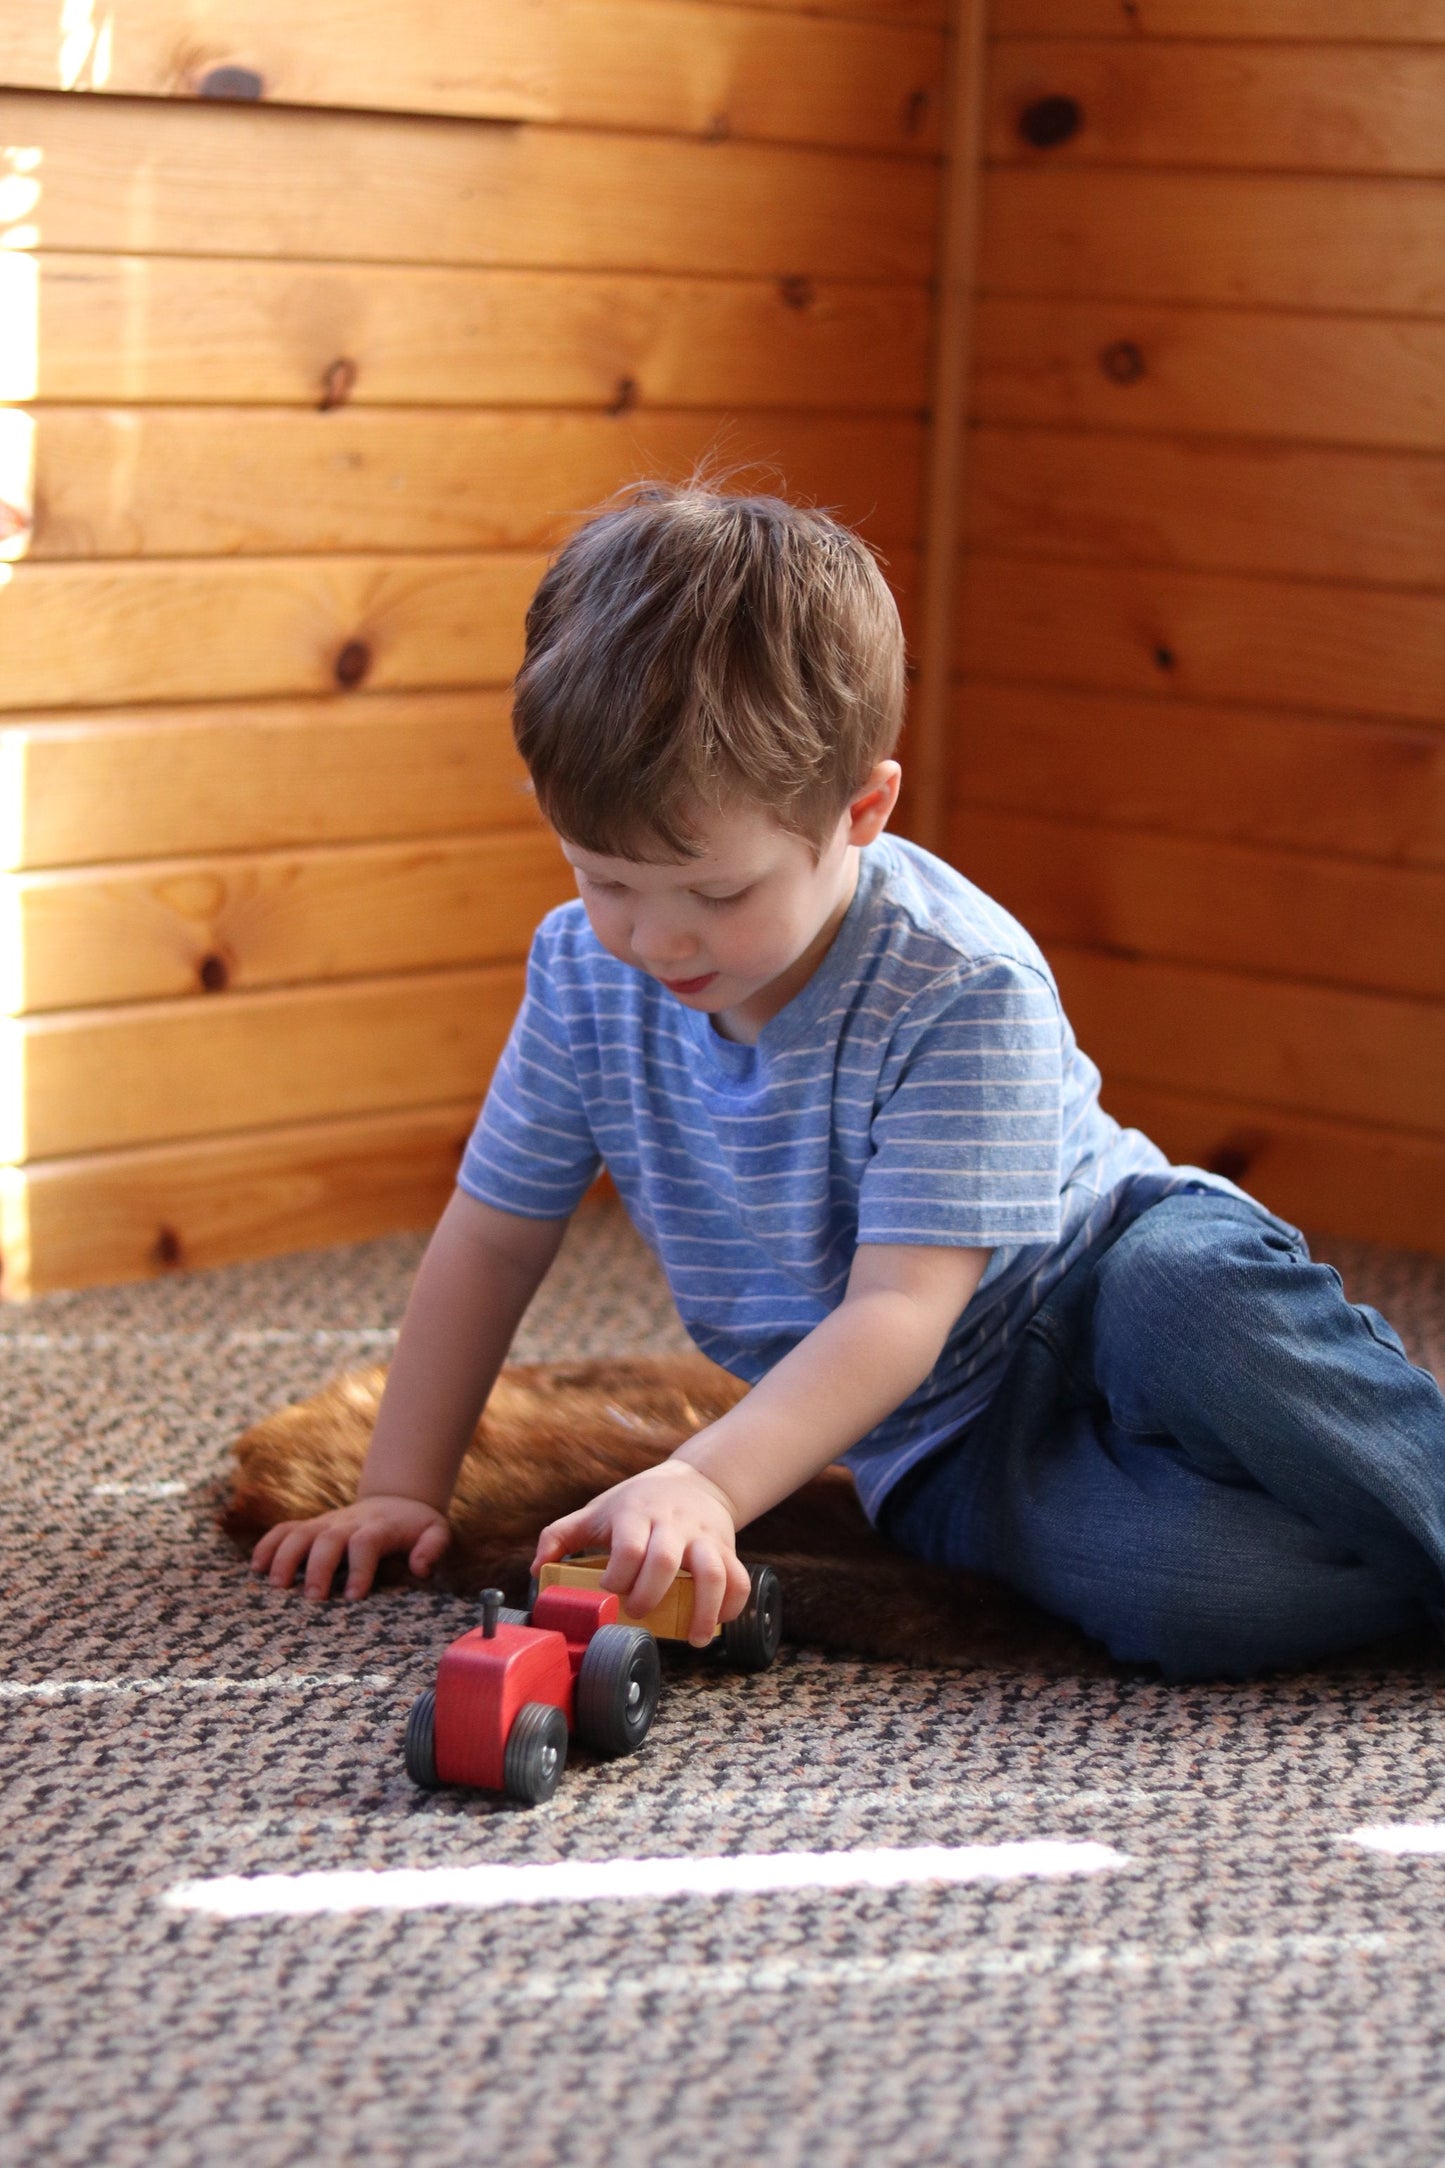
(167, 1248)
(797, 292)
(213, 973)
(1122, 362)
(352, 664)
(915, 111)
(1164, 657)
(1050, 121)
(338, 384)
(625, 397)
(718, 129)
(236, 83)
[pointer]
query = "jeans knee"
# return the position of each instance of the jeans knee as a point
(1184, 1292)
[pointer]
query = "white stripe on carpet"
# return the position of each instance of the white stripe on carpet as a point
(274, 1682)
(1400, 1837)
(580, 1881)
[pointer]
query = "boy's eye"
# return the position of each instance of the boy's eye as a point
(736, 898)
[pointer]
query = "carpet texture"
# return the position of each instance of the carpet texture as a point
(1246, 1982)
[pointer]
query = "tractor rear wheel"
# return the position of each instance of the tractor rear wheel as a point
(420, 1750)
(617, 1689)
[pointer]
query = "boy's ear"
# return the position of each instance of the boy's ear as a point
(871, 805)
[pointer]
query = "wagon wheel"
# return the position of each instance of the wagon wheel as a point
(750, 1641)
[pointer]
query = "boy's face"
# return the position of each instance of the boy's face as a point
(738, 930)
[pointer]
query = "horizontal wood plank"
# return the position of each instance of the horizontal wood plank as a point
(138, 329)
(1361, 247)
(159, 1209)
(1240, 775)
(1301, 512)
(1402, 22)
(688, 67)
(1205, 636)
(247, 629)
(698, 67)
(195, 482)
(1234, 908)
(208, 928)
(158, 1072)
(1334, 1178)
(143, 178)
(239, 777)
(1374, 1059)
(1207, 371)
(1250, 106)
(502, 62)
(243, 630)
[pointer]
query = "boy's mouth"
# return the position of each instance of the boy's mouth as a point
(689, 986)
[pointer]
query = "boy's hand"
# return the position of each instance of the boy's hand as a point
(653, 1524)
(362, 1534)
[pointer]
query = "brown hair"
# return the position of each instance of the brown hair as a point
(686, 646)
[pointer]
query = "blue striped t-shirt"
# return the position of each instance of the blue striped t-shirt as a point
(923, 1087)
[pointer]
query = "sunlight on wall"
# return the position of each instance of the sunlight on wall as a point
(12, 953)
(14, 1232)
(20, 191)
(84, 59)
(17, 481)
(19, 341)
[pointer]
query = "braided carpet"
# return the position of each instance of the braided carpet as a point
(1243, 1985)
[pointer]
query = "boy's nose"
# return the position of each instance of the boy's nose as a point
(659, 948)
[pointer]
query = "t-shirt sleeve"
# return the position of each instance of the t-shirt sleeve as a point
(532, 1151)
(968, 1131)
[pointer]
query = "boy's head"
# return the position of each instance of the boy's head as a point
(689, 651)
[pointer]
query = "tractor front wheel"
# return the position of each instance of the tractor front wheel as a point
(536, 1753)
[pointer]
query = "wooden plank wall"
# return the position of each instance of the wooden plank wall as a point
(1201, 704)
(317, 326)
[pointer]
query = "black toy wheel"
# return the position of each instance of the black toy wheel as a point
(750, 1641)
(508, 1615)
(617, 1689)
(536, 1753)
(420, 1748)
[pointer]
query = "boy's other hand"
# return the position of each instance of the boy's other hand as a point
(363, 1534)
(654, 1524)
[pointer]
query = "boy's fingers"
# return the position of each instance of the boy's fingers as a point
(428, 1548)
(709, 1587)
(657, 1574)
(268, 1546)
(363, 1552)
(739, 1588)
(557, 1538)
(295, 1543)
(627, 1551)
(327, 1552)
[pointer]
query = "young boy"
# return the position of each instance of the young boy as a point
(834, 1086)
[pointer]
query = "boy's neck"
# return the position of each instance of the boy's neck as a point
(744, 1023)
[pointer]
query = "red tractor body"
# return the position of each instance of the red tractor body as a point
(511, 1691)
(482, 1681)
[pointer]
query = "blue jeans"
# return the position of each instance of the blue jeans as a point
(1202, 1454)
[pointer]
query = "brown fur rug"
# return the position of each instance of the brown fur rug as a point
(553, 1435)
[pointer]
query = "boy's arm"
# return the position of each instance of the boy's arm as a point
(852, 1370)
(481, 1269)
